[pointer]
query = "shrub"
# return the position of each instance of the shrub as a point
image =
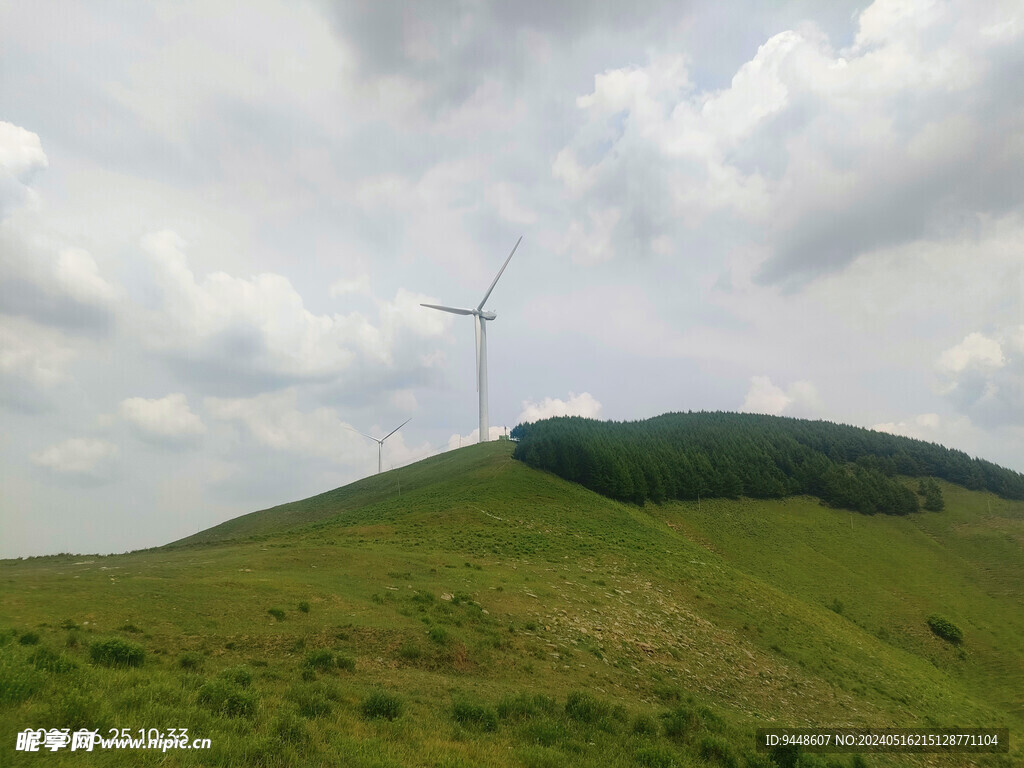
(223, 697)
(410, 651)
(17, 681)
(240, 675)
(656, 757)
(717, 752)
(523, 706)
(29, 638)
(116, 652)
(304, 606)
(345, 662)
(584, 708)
(129, 627)
(50, 661)
(312, 703)
(290, 729)
(645, 725)
(438, 635)
(191, 661)
(381, 705)
(680, 723)
(946, 629)
(544, 732)
(475, 716)
(277, 613)
(322, 660)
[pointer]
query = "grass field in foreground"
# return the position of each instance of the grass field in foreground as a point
(508, 618)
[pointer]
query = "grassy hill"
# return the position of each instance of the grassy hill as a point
(506, 617)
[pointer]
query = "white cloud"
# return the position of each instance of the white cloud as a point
(78, 456)
(461, 441)
(982, 380)
(820, 149)
(583, 404)
(924, 426)
(275, 420)
(78, 276)
(260, 325)
(360, 285)
(765, 397)
(975, 351)
(33, 352)
(21, 154)
(163, 419)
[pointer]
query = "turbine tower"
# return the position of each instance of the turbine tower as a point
(380, 442)
(480, 318)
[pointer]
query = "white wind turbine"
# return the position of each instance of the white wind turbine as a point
(480, 319)
(380, 442)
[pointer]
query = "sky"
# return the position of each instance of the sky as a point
(218, 221)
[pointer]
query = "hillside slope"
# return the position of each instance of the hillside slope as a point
(522, 620)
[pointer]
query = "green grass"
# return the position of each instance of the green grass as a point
(493, 615)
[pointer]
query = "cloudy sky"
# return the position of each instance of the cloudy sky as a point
(218, 220)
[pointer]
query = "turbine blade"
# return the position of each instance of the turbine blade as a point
(389, 434)
(487, 295)
(363, 434)
(453, 310)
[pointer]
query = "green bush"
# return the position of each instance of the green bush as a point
(50, 661)
(656, 757)
(312, 703)
(115, 652)
(304, 606)
(474, 716)
(717, 752)
(191, 661)
(222, 697)
(680, 723)
(322, 660)
(381, 705)
(584, 708)
(345, 662)
(438, 635)
(946, 629)
(645, 725)
(240, 675)
(410, 651)
(29, 638)
(277, 613)
(290, 729)
(523, 706)
(17, 681)
(544, 732)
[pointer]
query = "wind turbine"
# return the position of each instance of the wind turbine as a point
(479, 319)
(380, 442)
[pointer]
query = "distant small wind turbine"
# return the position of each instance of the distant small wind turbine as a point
(480, 318)
(380, 442)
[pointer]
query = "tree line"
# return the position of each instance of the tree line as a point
(716, 454)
